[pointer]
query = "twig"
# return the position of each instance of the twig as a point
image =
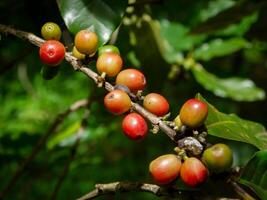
(72, 155)
(91, 74)
(241, 192)
(112, 188)
(25, 163)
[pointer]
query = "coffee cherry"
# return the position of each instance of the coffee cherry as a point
(52, 52)
(193, 172)
(134, 126)
(86, 42)
(77, 54)
(108, 49)
(156, 104)
(51, 31)
(49, 73)
(165, 169)
(193, 113)
(132, 78)
(117, 102)
(109, 63)
(218, 158)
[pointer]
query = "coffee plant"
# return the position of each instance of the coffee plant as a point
(131, 99)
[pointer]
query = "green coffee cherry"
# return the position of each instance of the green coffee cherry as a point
(51, 31)
(49, 73)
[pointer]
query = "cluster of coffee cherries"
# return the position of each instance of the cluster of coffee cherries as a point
(131, 82)
(192, 170)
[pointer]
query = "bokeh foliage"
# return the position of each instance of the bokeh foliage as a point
(215, 47)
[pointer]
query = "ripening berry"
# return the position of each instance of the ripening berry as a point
(193, 172)
(193, 113)
(134, 126)
(156, 104)
(218, 158)
(52, 52)
(86, 42)
(109, 63)
(165, 168)
(77, 54)
(51, 31)
(108, 49)
(117, 102)
(132, 78)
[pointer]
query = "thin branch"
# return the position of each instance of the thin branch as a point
(91, 74)
(25, 163)
(112, 188)
(72, 155)
(241, 192)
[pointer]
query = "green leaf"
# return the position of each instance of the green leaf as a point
(214, 8)
(233, 14)
(231, 127)
(100, 16)
(177, 36)
(66, 133)
(235, 88)
(219, 47)
(254, 174)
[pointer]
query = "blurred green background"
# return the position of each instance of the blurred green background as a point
(227, 37)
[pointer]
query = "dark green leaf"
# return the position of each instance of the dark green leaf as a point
(101, 16)
(255, 174)
(231, 127)
(229, 16)
(236, 88)
(219, 47)
(177, 37)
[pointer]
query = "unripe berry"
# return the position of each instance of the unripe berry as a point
(86, 42)
(108, 49)
(109, 63)
(156, 104)
(165, 168)
(132, 78)
(134, 126)
(193, 113)
(51, 31)
(193, 172)
(52, 52)
(49, 73)
(77, 54)
(218, 158)
(117, 102)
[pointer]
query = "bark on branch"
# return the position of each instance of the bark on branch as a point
(91, 74)
(112, 188)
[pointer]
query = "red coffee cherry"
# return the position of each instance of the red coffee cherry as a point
(110, 63)
(165, 169)
(132, 78)
(134, 126)
(193, 172)
(86, 42)
(193, 113)
(117, 102)
(52, 52)
(156, 104)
